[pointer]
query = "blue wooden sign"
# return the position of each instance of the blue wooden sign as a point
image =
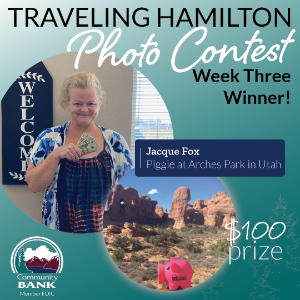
(27, 109)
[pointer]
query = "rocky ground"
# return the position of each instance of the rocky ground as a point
(138, 249)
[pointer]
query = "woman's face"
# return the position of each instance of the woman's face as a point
(84, 105)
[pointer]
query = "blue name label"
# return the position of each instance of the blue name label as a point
(210, 158)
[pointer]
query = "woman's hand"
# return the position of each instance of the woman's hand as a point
(68, 151)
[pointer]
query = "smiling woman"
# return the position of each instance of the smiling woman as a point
(77, 183)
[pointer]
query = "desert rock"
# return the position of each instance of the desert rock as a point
(136, 230)
(179, 205)
(111, 230)
(127, 205)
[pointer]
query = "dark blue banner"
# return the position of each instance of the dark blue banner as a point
(26, 111)
(210, 158)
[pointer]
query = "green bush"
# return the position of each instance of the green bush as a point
(213, 230)
(150, 273)
(109, 249)
(197, 230)
(221, 246)
(149, 285)
(120, 242)
(199, 243)
(154, 240)
(172, 237)
(163, 251)
(147, 226)
(163, 236)
(185, 229)
(139, 279)
(118, 254)
(189, 246)
(170, 254)
(136, 244)
(138, 258)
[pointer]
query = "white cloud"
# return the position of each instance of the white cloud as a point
(40, 252)
(153, 191)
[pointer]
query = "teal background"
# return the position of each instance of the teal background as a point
(198, 111)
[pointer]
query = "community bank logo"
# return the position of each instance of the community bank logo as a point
(36, 260)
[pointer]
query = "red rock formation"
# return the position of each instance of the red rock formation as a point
(215, 212)
(159, 210)
(136, 230)
(219, 210)
(179, 205)
(128, 205)
(111, 230)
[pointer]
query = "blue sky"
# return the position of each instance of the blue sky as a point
(163, 188)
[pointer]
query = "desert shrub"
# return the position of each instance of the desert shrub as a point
(197, 230)
(216, 265)
(163, 236)
(210, 229)
(126, 270)
(138, 258)
(205, 264)
(120, 242)
(181, 257)
(167, 235)
(162, 231)
(146, 239)
(149, 285)
(138, 279)
(221, 246)
(170, 254)
(118, 254)
(133, 274)
(185, 229)
(147, 264)
(150, 273)
(196, 257)
(189, 246)
(136, 244)
(196, 281)
(147, 226)
(200, 243)
(120, 264)
(163, 251)
(213, 230)
(109, 249)
(154, 240)
(153, 251)
(163, 261)
(172, 237)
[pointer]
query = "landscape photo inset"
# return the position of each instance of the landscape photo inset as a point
(151, 224)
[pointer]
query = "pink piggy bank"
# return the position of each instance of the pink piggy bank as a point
(176, 273)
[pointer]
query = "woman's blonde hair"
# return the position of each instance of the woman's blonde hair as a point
(80, 80)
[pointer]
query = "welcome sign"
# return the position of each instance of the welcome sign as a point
(26, 111)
